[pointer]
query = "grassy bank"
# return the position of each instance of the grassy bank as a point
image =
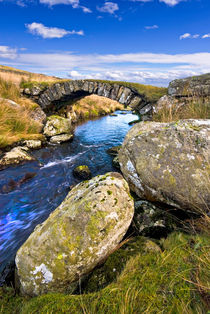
(94, 106)
(17, 76)
(174, 279)
(15, 121)
(193, 110)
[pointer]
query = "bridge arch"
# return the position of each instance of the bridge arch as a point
(57, 95)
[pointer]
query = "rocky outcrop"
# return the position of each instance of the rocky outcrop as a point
(14, 157)
(79, 234)
(53, 96)
(57, 125)
(169, 162)
(195, 86)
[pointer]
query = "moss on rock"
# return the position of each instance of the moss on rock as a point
(76, 236)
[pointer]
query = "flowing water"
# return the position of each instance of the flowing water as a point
(31, 203)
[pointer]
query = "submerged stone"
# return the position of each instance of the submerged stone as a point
(82, 172)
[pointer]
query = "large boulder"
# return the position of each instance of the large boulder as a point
(79, 234)
(169, 162)
(57, 125)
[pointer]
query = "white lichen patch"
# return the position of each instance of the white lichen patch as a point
(112, 215)
(46, 273)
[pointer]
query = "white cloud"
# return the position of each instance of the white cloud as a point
(168, 2)
(146, 68)
(188, 35)
(134, 76)
(74, 3)
(109, 7)
(206, 36)
(151, 27)
(171, 2)
(50, 32)
(7, 52)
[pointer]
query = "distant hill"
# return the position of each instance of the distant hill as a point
(17, 76)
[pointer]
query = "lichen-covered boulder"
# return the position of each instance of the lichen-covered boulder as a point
(78, 235)
(14, 157)
(57, 125)
(169, 162)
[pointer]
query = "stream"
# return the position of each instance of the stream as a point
(31, 203)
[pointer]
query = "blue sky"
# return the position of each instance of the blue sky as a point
(146, 41)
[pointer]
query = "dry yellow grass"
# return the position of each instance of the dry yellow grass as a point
(193, 110)
(94, 106)
(16, 76)
(15, 121)
(16, 124)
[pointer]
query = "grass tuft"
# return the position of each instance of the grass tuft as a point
(193, 110)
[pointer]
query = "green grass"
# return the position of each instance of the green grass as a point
(42, 85)
(176, 280)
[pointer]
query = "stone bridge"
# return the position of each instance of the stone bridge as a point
(57, 95)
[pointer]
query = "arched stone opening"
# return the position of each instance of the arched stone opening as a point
(57, 95)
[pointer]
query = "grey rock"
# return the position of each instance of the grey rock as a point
(57, 125)
(57, 139)
(195, 86)
(76, 237)
(153, 221)
(38, 115)
(14, 157)
(33, 144)
(168, 162)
